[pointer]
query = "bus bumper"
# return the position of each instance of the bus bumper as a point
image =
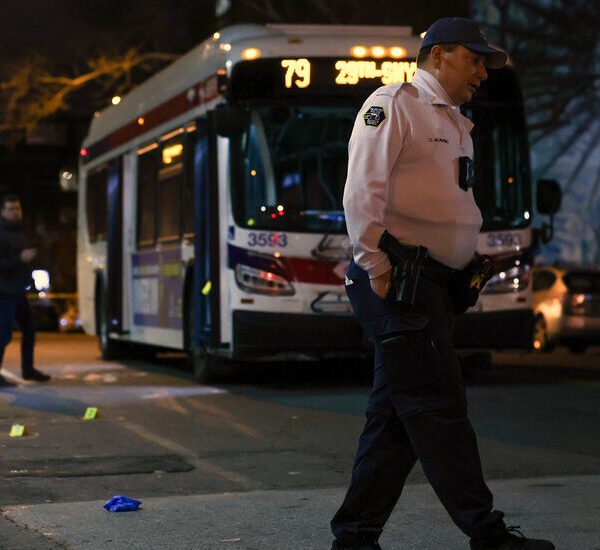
(257, 333)
(512, 329)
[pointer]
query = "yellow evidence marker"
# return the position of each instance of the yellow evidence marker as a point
(90, 413)
(17, 430)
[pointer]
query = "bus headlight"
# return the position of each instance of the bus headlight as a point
(259, 281)
(509, 280)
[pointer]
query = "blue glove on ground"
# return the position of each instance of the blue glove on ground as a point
(122, 503)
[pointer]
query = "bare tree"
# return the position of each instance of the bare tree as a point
(555, 47)
(31, 92)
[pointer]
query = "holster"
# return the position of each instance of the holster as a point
(407, 264)
(468, 283)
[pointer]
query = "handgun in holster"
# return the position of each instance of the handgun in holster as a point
(407, 264)
(470, 282)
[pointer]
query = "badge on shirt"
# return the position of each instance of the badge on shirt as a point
(374, 116)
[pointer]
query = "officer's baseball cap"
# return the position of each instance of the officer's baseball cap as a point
(457, 30)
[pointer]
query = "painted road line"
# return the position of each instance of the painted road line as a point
(203, 465)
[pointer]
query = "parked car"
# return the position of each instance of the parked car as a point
(566, 302)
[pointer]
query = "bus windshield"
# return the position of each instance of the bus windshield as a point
(291, 164)
(502, 180)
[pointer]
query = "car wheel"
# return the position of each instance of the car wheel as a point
(541, 341)
(577, 347)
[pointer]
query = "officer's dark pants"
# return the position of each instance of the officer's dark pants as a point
(17, 308)
(417, 411)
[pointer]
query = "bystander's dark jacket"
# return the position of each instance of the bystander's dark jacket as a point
(15, 275)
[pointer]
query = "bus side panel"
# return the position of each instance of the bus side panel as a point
(157, 291)
(114, 283)
(206, 243)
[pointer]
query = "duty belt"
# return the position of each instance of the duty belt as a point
(438, 272)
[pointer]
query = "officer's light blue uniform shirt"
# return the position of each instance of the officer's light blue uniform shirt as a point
(403, 175)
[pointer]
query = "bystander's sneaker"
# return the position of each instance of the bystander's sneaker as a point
(4, 383)
(506, 539)
(361, 546)
(36, 375)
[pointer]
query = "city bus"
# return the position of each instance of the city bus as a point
(210, 201)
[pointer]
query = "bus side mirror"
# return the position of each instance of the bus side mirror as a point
(230, 121)
(549, 197)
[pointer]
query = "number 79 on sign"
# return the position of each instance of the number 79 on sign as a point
(299, 68)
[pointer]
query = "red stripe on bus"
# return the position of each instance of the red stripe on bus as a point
(204, 92)
(320, 272)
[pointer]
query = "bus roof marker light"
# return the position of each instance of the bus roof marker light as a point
(251, 53)
(216, 36)
(358, 51)
(225, 47)
(378, 51)
(140, 121)
(116, 100)
(398, 52)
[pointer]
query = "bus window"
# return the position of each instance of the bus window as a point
(291, 165)
(501, 172)
(147, 173)
(95, 204)
(502, 182)
(170, 181)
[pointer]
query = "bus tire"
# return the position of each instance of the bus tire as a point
(200, 361)
(109, 349)
(203, 365)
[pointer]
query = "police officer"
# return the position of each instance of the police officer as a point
(406, 152)
(15, 278)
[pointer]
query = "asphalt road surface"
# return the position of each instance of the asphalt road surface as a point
(261, 426)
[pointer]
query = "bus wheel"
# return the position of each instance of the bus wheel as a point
(200, 362)
(109, 349)
(541, 341)
(203, 365)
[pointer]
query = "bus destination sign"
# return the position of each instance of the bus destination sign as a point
(350, 72)
(317, 76)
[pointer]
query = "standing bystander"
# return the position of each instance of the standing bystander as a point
(15, 279)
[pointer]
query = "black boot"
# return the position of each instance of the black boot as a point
(36, 375)
(506, 539)
(359, 546)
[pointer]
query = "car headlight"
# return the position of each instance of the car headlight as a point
(259, 281)
(509, 280)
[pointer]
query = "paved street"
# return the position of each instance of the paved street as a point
(260, 459)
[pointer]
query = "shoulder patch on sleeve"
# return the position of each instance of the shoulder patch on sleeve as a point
(374, 116)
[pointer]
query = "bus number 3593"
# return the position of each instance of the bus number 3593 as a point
(267, 239)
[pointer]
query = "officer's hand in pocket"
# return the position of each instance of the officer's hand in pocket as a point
(381, 284)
